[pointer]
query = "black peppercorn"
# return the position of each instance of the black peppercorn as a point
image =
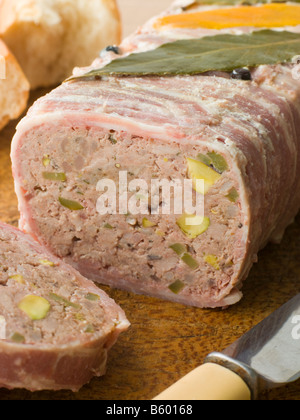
(113, 48)
(241, 74)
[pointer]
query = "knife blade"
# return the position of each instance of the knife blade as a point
(266, 357)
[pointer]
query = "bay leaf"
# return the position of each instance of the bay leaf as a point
(211, 53)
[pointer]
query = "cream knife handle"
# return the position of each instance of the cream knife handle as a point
(208, 382)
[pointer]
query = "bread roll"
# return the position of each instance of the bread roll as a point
(51, 37)
(14, 87)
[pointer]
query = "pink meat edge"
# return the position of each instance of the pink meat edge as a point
(24, 367)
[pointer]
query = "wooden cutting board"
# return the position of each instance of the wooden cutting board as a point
(167, 340)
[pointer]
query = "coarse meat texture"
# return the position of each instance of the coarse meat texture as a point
(56, 326)
(241, 137)
(137, 249)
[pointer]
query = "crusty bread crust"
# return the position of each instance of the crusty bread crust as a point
(14, 89)
(51, 37)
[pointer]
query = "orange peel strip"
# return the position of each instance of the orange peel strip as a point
(264, 16)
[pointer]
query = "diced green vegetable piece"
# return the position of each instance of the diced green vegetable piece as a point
(69, 204)
(47, 263)
(180, 249)
(177, 286)
(190, 261)
(18, 278)
(35, 307)
(233, 195)
(200, 171)
(112, 139)
(93, 297)
(196, 229)
(79, 317)
(54, 176)
(204, 159)
(218, 162)
(17, 338)
(89, 329)
(215, 160)
(108, 226)
(46, 161)
(213, 261)
(66, 302)
(148, 224)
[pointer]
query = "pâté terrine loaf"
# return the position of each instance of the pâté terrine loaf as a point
(237, 130)
(56, 327)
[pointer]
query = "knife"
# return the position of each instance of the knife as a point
(266, 357)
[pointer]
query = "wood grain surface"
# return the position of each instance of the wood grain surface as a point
(167, 340)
